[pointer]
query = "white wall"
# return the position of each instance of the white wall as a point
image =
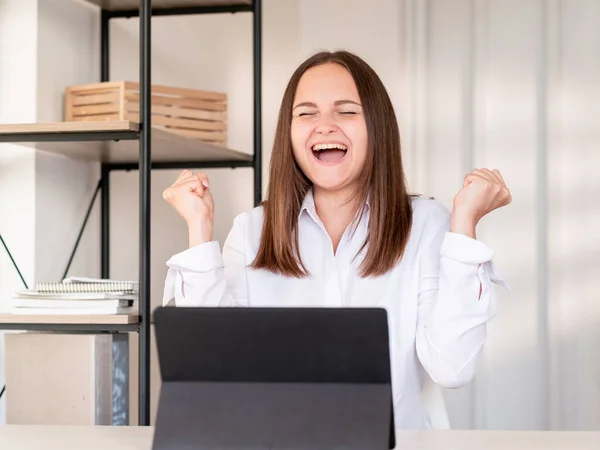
(481, 111)
(43, 197)
(18, 20)
(514, 85)
(503, 83)
(68, 53)
(574, 213)
(17, 164)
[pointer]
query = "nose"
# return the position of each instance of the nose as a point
(325, 125)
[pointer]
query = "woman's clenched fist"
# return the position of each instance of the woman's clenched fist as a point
(190, 196)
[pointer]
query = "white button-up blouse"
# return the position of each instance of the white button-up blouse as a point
(437, 317)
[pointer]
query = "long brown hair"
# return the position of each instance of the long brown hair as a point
(382, 180)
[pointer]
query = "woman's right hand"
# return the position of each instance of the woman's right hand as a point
(190, 196)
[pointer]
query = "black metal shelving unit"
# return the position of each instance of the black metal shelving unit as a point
(112, 146)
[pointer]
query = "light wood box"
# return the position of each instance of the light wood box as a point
(192, 113)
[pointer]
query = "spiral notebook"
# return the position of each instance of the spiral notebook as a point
(78, 295)
(87, 285)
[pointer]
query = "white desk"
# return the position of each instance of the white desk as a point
(30, 437)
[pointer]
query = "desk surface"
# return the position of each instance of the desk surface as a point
(41, 437)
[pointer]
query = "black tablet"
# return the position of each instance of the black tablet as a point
(273, 378)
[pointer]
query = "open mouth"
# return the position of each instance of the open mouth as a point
(329, 153)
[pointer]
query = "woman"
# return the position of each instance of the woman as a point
(339, 229)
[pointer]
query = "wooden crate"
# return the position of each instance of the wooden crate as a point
(192, 113)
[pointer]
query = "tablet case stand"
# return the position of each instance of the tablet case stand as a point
(276, 414)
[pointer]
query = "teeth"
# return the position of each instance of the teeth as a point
(329, 146)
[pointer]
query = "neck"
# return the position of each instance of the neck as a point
(335, 211)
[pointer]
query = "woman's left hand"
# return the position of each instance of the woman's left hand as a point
(483, 191)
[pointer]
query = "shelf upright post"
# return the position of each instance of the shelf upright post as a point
(105, 169)
(257, 66)
(104, 45)
(105, 221)
(144, 211)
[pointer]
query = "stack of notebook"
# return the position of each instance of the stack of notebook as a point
(77, 295)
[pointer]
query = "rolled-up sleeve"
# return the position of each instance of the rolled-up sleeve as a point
(202, 276)
(456, 302)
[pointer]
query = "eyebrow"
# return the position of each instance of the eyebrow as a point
(336, 103)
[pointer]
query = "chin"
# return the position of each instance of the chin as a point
(329, 178)
(328, 184)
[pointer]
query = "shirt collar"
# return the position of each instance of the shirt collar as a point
(308, 205)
